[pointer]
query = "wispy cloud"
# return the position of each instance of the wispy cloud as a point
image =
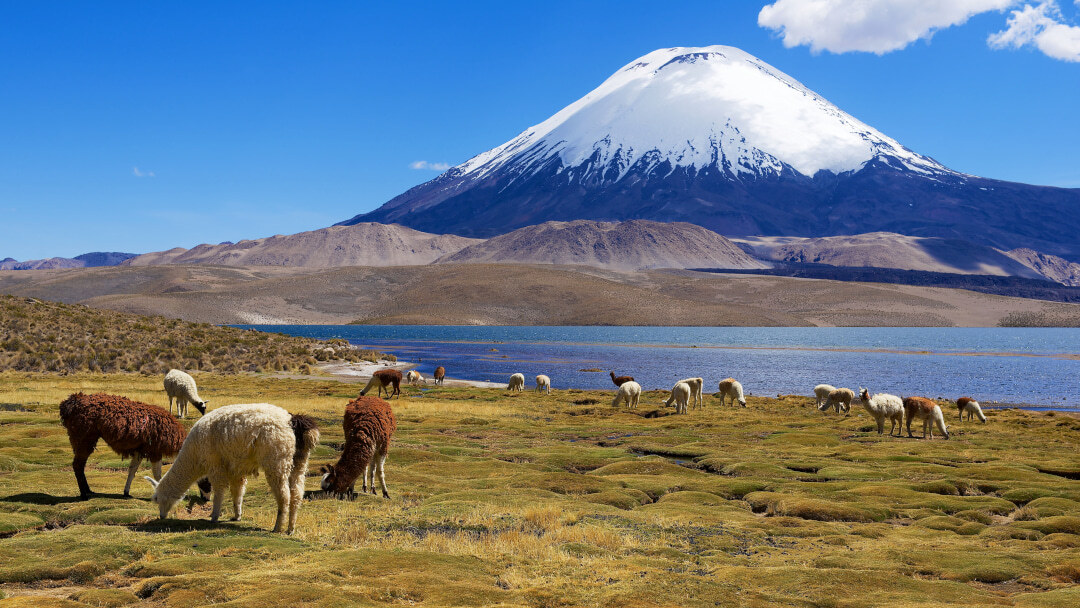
(137, 173)
(883, 26)
(426, 166)
(1043, 27)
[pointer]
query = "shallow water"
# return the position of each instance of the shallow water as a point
(1036, 366)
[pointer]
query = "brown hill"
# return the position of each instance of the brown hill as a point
(633, 245)
(1049, 266)
(519, 295)
(359, 245)
(891, 250)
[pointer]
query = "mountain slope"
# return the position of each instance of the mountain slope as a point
(86, 260)
(632, 245)
(718, 138)
(891, 250)
(1049, 266)
(359, 245)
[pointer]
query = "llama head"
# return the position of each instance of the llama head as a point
(164, 503)
(201, 406)
(742, 402)
(330, 479)
(864, 394)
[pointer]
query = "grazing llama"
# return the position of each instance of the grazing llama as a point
(921, 408)
(369, 424)
(440, 374)
(181, 386)
(733, 389)
(543, 383)
(413, 377)
(969, 406)
(629, 392)
(517, 383)
(231, 443)
(383, 379)
(839, 398)
(680, 394)
(821, 393)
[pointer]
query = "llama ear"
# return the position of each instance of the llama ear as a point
(323, 470)
(153, 482)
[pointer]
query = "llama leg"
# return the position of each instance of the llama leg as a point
(278, 478)
(238, 487)
(881, 425)
(296, 495)
(219, 481)
(382, 475)
(82, 447)
(369, 474)
(156, 468)
(132, 469)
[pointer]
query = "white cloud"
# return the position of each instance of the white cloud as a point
(874, 26)
(425, 165)
(137, 173)
(1040, 25)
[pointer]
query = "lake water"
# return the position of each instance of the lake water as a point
(1036, 366)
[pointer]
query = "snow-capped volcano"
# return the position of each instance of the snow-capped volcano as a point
(716, 137)
(698, 107)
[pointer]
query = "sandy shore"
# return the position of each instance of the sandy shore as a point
(362, 371)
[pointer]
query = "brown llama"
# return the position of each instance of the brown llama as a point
(619, 380)
(971, 408)
(384, 378)
(369, 424)
(132, 429)
(440, 374)
(926, 410)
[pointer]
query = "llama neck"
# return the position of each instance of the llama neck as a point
(354, 458)
(183, 472)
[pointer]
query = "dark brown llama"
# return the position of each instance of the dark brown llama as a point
(369, 424)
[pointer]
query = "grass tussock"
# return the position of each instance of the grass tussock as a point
(531, 501)
(41, 336)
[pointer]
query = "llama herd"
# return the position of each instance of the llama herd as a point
(233, 442)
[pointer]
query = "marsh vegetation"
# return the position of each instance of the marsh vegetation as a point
(526, 499)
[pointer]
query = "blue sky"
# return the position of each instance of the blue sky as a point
(141, 126)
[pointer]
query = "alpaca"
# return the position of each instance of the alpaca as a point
(884, 406)
(369, 424)
(231, 443)
(696, 384)
(732, 388)
(840, 398)
(413, 377)
(629, 392)
(680, 394)
(543, 383)
(128, 427)
(181, 386)
(971, 408)
(440, 374)
(382, 379)
(821, 393)
(916, 408)
(618, 380)
(517, 383)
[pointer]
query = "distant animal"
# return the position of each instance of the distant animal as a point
(696, 385)
(733, 389)
(921, 408)
(884, 406)
(969, 406)
(821, 393)
(629, 392)
(543, 383)
(839, 398)
(132, 429)
(181, 386)
(680, 394)
(383, 379)
(413, 377)
(369, 424)
(619, 380)
(517, 383)
(235, 441)
(440, 374)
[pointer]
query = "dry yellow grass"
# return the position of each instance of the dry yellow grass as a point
(534, 500)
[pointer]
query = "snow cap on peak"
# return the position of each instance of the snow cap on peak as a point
(698, 106)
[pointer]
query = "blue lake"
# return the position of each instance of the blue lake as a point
(1037, 366)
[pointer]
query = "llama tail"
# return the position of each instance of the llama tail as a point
(307, 435)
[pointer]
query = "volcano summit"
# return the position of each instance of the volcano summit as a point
(716, 137)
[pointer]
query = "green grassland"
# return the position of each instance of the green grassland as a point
(533, 500)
